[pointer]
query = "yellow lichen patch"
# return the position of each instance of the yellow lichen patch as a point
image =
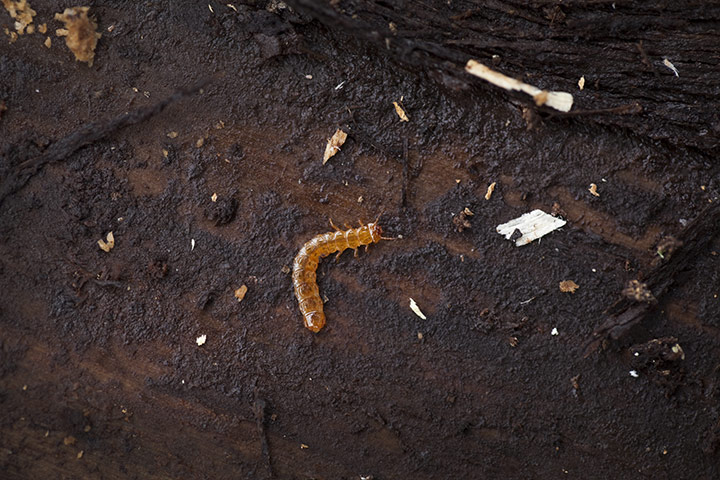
(80, 32)
(21, 12)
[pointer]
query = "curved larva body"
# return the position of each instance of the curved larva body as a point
(306, 263)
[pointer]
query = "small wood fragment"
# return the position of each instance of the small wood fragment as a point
(414, 307)
(669, 65)
(109, 245)
(48, 42)
(240, 292)
(334, 144)
(21, 12)
(531, 226)
(561, 101)
(201, 340)
(490, 190)
(81, 33)
(581, 83)
(568, 286)
(401, 112)
(593, 190)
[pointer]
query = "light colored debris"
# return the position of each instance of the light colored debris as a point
(308, 77)
(201, 340)
(48, 42)
(561, 101)
(554, 332)
(414, 307)
(634, 374)
(303, 446)
(468, 212)
(69, 440)
(669, 65)
(214, 198)
(401, 111)
(638, 291)
(593, 190)
(532, 225)
(21, 12)
(285, 269)
(172, 134)
(340, 85)
(334, 144)
(42, 28)
(568, 286)
(231, 6)
(360, 199)
(513, 341)
(490, 190)
(677, 349)
(200, 142)
(192, 244)
(240, 292)
(420, 335)
(581, 83)
(109, 245)
(81, 33)
(80, 454)
(210, 8)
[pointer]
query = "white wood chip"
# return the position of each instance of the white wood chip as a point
(201, 340)
(532, 225)
(669, 65)
(561, 101)
(414, 307)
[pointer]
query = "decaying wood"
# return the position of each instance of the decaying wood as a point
(551, 45)
(85, 135)
(628, 312)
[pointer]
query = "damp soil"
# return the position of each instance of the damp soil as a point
(101, 374)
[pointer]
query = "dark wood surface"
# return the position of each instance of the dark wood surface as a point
(100, 373)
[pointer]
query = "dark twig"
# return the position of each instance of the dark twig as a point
(260, 407)
(626, 313)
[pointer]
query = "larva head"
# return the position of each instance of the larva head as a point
(375, 232)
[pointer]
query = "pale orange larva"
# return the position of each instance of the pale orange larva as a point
(306, 263)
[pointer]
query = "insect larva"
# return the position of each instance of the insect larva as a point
(306, 262)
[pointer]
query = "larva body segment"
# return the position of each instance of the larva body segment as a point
(306, 263)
